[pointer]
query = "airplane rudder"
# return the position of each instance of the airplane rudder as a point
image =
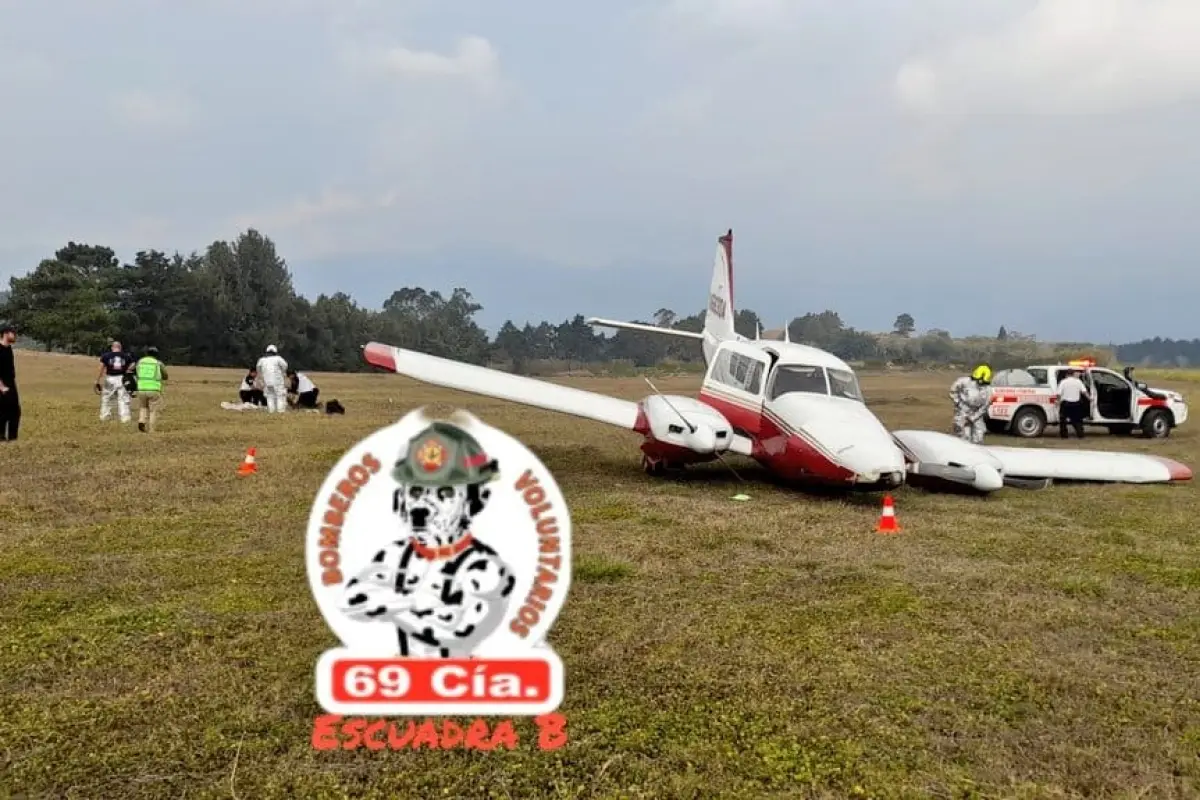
(718, 316)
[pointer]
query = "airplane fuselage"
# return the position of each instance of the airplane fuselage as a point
(802, 409)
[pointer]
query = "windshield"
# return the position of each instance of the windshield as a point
(798, 378)
(843, 384)
(1019, 377)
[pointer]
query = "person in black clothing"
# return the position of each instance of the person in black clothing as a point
(111, 384)
(10, 401)
(249, 392)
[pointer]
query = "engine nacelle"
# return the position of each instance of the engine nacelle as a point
(709, 431)
(949, 458)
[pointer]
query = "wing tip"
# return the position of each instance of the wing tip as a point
(1175, 470)
(380, 355)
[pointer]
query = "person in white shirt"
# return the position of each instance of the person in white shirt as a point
(272, 369)
(305, 390)
(1074, 404)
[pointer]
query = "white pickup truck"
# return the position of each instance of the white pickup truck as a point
(1024, 401)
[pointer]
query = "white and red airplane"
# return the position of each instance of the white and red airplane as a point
(795, 409)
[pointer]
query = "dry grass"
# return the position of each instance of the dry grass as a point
(157, 627)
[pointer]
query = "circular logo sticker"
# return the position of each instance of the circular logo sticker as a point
(439, 554)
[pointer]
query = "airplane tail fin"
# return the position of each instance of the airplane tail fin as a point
(718, 317)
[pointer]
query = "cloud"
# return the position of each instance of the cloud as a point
(24, 70)
(754, 16)
(154, 110)
(473, 59)
(303, 211)
(621, 133)
(1064, 57)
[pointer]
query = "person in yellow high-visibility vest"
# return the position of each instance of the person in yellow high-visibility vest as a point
(150, 376)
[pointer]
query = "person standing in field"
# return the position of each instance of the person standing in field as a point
(1074, 404)
(110, 383)
(10, 401)
(273, 371)
(970, 397)
(150, 377)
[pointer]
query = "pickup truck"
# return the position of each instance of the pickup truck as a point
(1024, 401)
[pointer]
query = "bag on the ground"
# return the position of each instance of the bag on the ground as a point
(334, 407)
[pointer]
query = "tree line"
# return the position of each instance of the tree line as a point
(222, 307)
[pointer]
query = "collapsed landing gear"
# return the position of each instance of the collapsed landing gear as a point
(659, 466)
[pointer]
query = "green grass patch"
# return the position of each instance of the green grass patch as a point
(159, 640)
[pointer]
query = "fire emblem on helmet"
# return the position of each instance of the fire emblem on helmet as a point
(431, 455)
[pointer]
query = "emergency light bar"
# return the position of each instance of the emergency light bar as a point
(1082, 362)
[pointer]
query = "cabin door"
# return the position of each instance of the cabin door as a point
(734, 385)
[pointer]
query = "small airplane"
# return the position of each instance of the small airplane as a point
(795, 409)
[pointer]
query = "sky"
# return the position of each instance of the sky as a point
(1026, 163)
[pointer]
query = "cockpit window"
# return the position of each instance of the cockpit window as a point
(844, 384)
(798, 378)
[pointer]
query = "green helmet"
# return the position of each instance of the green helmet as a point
(444, 455)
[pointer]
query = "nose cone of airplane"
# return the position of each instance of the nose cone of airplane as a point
(848, 433)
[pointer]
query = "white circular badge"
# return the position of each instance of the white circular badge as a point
(439, 539)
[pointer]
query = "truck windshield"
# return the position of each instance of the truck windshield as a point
(798, 378)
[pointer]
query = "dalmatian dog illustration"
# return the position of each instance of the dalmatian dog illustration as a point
(443, 590)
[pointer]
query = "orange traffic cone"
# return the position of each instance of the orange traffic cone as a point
(887, 518)
(249, 465)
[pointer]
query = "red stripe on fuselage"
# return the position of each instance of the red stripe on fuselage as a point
(763, 410)
(780, 450)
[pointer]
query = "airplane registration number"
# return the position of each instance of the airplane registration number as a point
(716, 305)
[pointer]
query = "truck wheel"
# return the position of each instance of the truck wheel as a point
(1029, 422)
(1156, 424)
(996, 425)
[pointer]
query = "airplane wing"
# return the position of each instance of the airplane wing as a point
(637, 326)
(1029, 463)
(1089, 465)
(503, 385)
(520, 389)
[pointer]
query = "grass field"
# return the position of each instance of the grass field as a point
(159, 638)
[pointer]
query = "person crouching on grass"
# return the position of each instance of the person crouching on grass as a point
(250, 392)
(303, 389)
